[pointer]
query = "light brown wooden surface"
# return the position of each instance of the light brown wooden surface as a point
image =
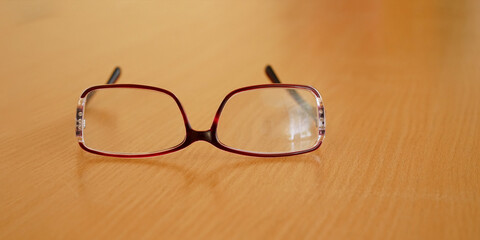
(400, 82)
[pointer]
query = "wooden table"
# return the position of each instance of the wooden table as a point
(400, 81)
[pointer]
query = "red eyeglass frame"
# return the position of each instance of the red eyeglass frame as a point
(193, 135)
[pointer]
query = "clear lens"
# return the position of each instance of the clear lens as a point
(129, 120)
(270, 120)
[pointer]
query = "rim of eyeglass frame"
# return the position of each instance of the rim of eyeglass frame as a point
(193, 135)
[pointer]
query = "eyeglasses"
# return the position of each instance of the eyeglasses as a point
(130, 120)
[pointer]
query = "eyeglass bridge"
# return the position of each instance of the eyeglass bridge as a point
(195, 135)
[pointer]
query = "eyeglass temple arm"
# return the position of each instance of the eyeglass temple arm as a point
(305, 106)
(113, 79)
(115, 75)
(271, 74)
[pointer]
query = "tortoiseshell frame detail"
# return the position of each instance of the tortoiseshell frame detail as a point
(194, 135)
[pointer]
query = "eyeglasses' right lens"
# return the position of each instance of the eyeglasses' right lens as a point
(132, 121)
(270, 120)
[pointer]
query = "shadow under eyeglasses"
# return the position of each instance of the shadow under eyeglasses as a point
(193, 174)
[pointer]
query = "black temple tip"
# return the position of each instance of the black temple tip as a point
(271, 74)
(115, 75)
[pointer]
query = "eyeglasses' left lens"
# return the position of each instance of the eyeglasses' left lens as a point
(271, 120)
(132, 121)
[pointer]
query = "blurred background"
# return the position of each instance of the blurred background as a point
(197, 43)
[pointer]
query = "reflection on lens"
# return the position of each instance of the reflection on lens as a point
(129, 120)
(270, 120)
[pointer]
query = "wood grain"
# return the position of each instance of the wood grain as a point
(401, 86)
